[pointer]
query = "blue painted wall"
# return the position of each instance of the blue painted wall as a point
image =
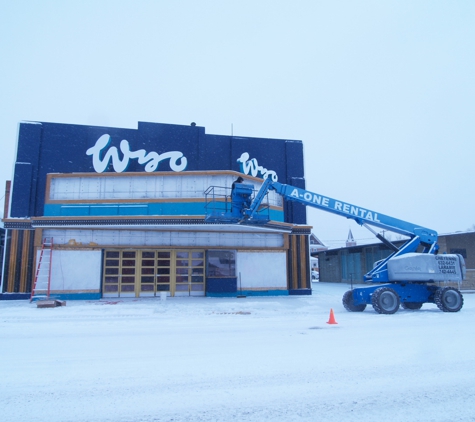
(61, 148)
(130, 209)
(221, 285)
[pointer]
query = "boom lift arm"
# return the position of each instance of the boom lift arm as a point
(361, 215)
(364, 217)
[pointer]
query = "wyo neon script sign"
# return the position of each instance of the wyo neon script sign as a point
(151, 160)
(252, 167)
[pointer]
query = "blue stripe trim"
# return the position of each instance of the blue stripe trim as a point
(129, 209)
(15, 296)
(223, 294)
(72, 296)
(300, 292)
(250, 293)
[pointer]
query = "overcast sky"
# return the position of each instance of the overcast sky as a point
(381, 93)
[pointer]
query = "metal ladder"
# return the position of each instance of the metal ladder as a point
(42, 281)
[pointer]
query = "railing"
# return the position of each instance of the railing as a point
(219, 208)
(217, 203)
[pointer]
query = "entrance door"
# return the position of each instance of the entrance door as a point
(119, 273)
(140, 273)
(155, 273)
(189, 270)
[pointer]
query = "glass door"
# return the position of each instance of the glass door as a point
(119, 273)
(142, 273)
(189, 270)
(163, 272)
(155, 273)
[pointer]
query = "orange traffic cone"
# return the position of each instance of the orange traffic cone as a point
(332, 318)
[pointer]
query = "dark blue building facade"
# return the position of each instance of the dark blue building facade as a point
(47, 152)
(60, 148)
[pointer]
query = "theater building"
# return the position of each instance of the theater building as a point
(123, 213)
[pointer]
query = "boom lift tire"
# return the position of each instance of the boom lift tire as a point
(448, 299)
(385, 300)
(414, 306)
(349, 305)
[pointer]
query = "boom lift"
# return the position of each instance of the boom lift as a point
(406, 277)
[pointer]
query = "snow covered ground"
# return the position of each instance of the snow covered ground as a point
(230, 359)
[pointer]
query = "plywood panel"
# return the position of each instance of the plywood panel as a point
(164, 238)
(75, 270)
(263, 270)
(124, 187)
